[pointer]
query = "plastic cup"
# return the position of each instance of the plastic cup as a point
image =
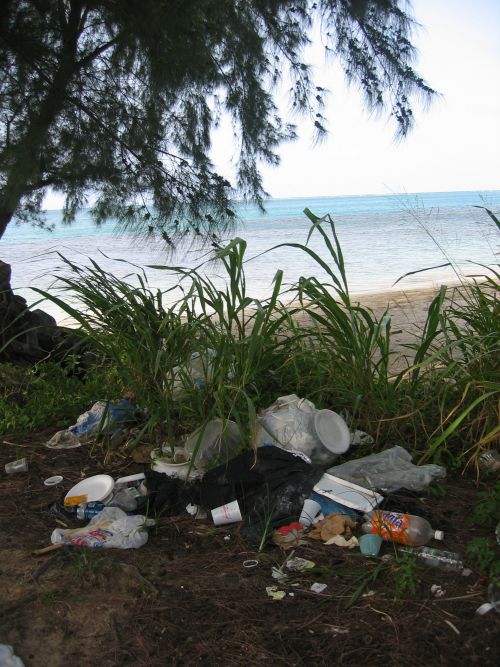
(229, 513)
(370, 544)
(310, 510)
(21, 465)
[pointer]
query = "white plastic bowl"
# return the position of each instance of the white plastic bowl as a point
(96, 488)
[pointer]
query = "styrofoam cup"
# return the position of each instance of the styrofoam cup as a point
(21, 465)
(310, 510)
(229, 513)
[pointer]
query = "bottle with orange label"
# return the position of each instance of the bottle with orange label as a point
(403, 528)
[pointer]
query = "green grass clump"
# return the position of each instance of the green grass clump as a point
(442, 402)
(50, 395)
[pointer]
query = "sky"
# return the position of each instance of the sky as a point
(455, 144)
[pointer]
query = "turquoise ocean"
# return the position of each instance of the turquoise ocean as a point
(382, 237)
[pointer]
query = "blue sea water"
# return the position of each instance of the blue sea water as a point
(382, 237)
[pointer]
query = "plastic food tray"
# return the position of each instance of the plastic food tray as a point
(348, 494)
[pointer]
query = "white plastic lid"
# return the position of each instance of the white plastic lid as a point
(332, 430)
(438, 535)
(53, 481)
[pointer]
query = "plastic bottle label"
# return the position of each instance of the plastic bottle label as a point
(391, 526)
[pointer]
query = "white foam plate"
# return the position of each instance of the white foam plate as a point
(96, 488)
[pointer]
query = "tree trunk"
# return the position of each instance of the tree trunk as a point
(24, 172)
(5, 218)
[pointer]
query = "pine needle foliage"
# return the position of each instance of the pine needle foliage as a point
(118, 100)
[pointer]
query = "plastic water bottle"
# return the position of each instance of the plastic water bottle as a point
(86, 511)
(444, 560)
(403, 528)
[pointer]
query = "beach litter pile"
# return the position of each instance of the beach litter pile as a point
(204, 519)
(283, 493)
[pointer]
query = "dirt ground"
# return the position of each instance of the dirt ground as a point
(185, 598)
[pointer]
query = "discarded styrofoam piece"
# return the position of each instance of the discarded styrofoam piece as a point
(278, 574)
(229, 513)
(130, 478)
(340, 541)
(348, 494)
(361, 438)
(318, 588)
(309, 512)
(437, 591)
(274, 593)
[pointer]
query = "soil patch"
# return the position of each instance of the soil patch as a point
(186, 598)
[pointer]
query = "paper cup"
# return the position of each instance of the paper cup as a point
(310, 510)
(229, 513)
(370, 544)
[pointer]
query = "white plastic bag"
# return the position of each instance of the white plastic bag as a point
(7, 657)
(109, 529)
(388, 471)
(294, 424)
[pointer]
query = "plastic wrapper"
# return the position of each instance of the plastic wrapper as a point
(111, 418)
(388, 471)
(110, 529)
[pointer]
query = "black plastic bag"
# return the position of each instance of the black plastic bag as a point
(270, 485)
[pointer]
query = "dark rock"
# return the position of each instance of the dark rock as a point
(28, 336)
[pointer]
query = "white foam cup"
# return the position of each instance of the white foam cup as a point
(310, 510)
(229, 513)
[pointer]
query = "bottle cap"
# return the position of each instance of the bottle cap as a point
(439, 535)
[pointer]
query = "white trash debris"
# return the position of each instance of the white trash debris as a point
(111, 528)
(295, 424)
(7, 657)
(318, 588)
(388, 471)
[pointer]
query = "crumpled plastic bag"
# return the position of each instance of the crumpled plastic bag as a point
(111, 528)
(388, 471)
(269, 484)
(334, 524)
(110, 418)
(289, 424)
(63, 440)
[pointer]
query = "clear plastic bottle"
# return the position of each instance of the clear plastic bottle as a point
(86, 511)
(403, 528)
(444, 560)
